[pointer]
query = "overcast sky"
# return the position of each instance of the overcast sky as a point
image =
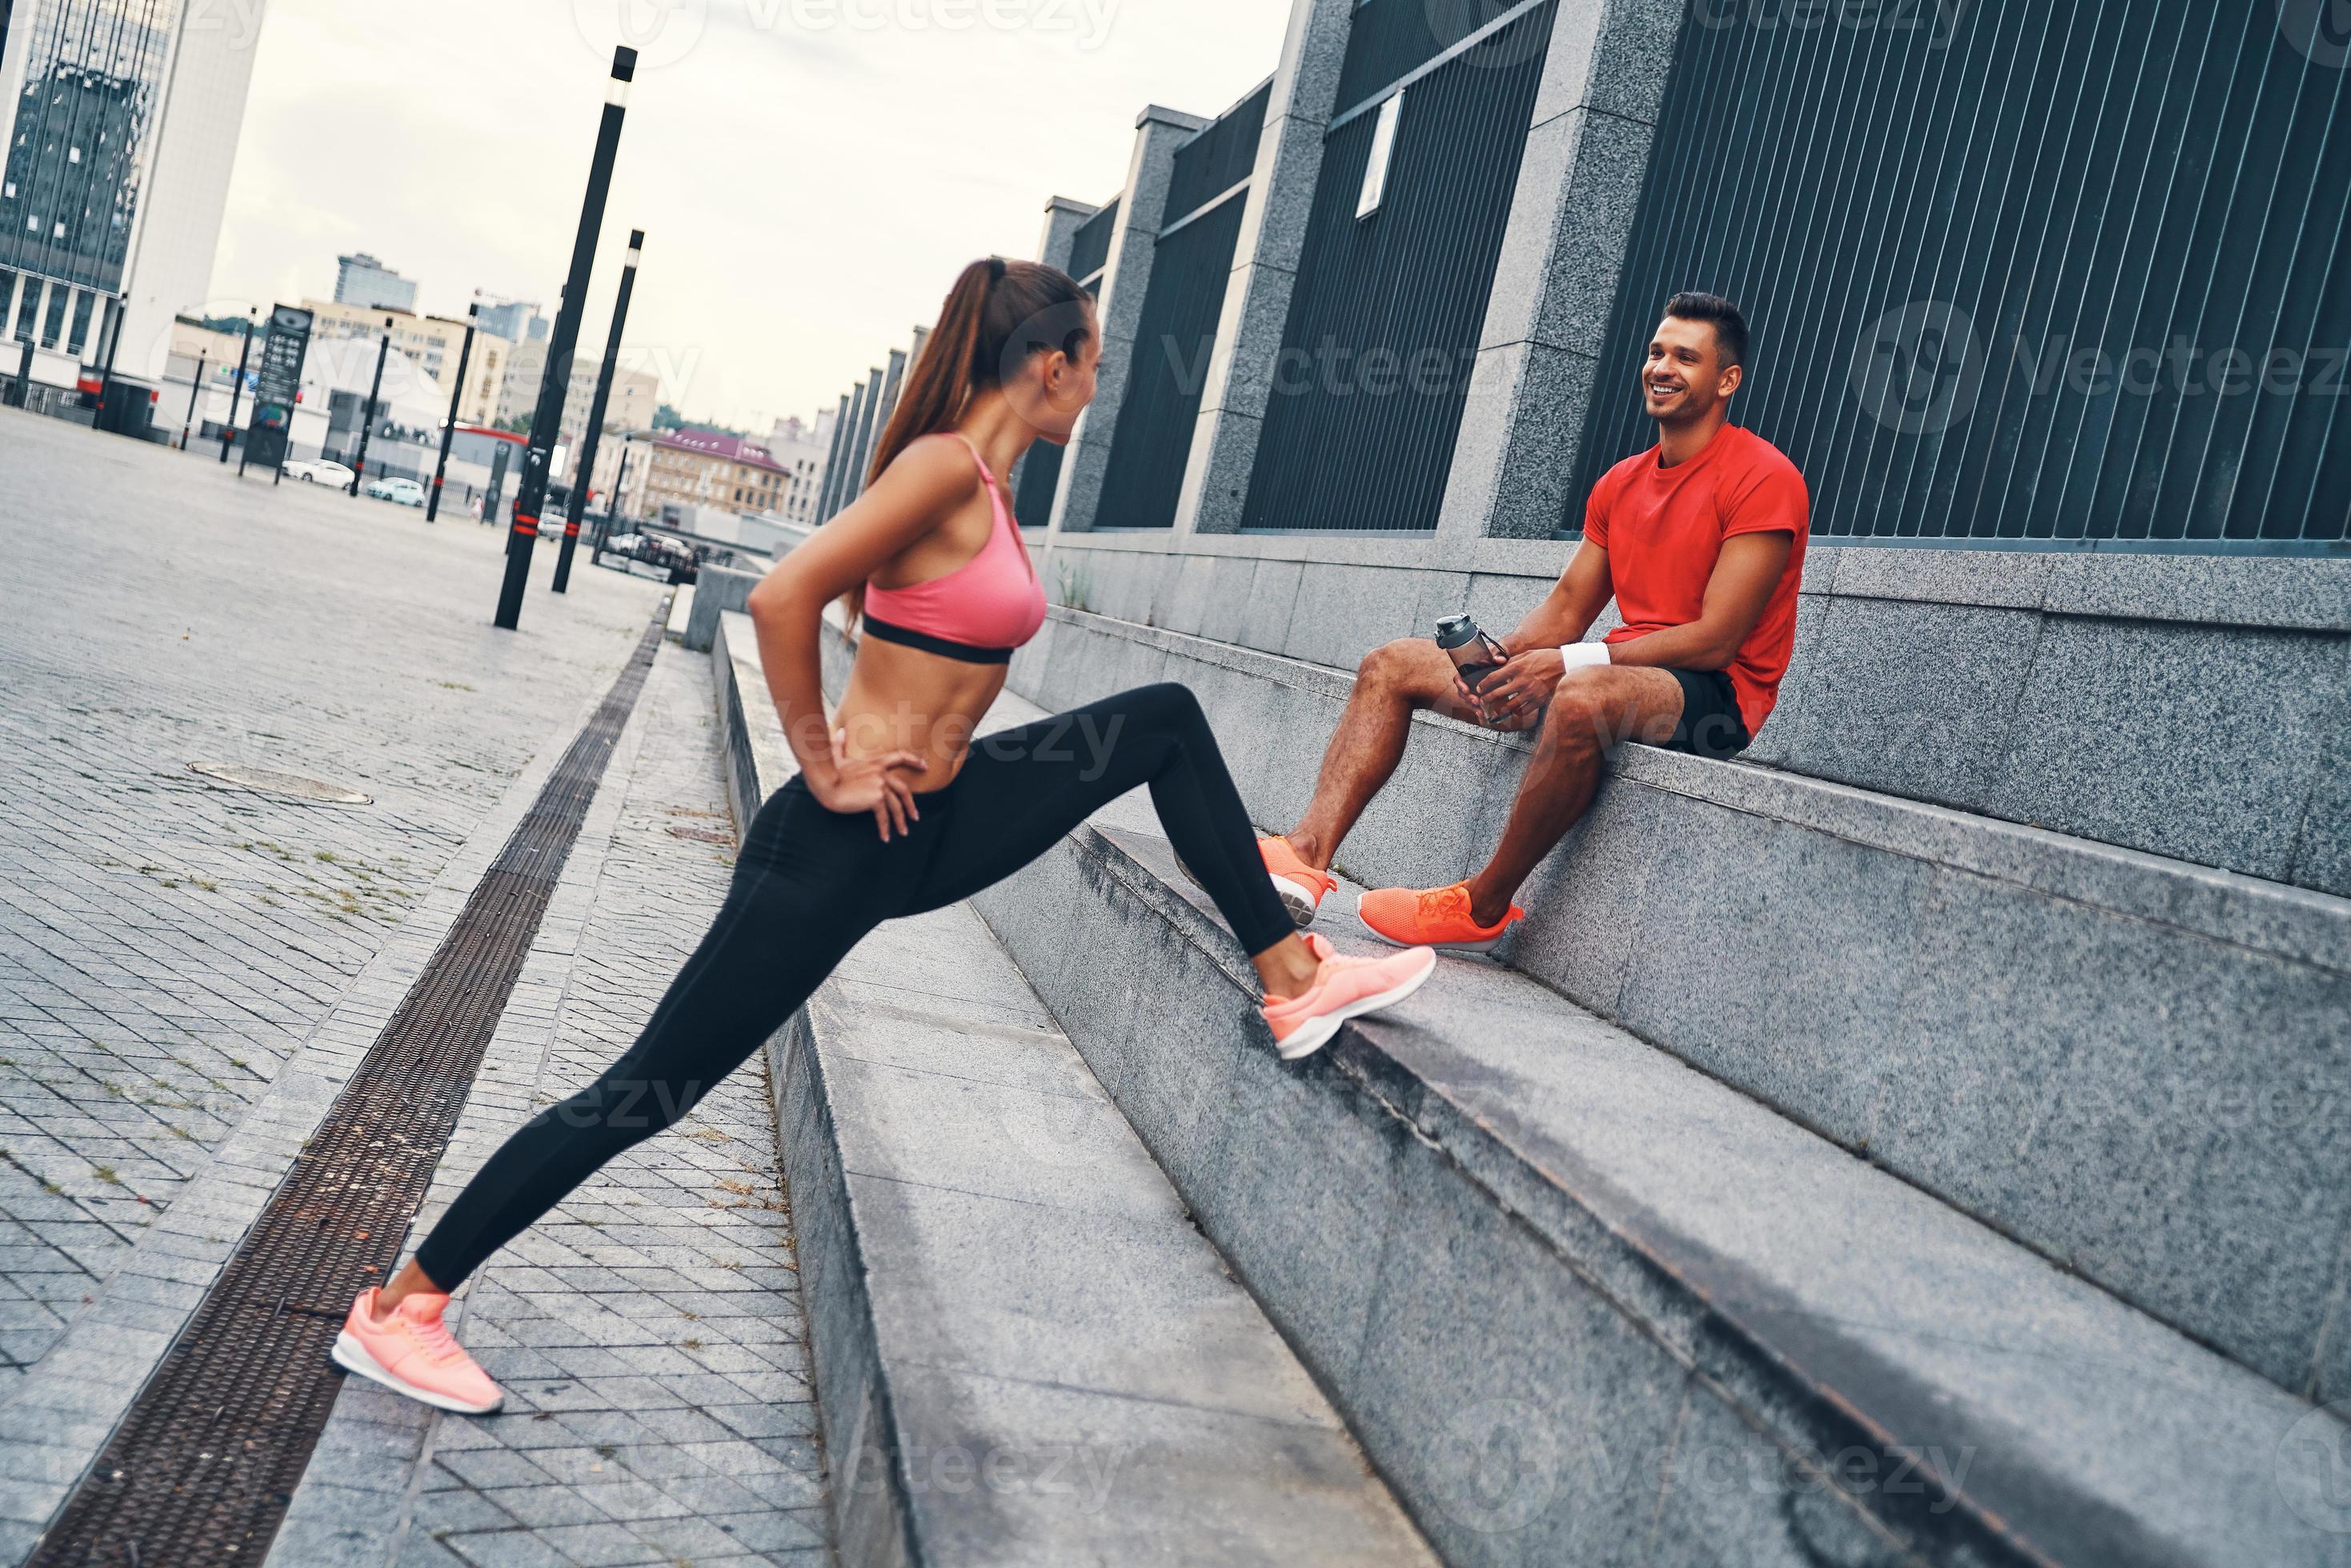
(809, 173)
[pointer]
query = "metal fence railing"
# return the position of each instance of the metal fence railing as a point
(1039, 482)
(1090, 246)
(1381, 342)
(1221, 157)
(2020, 273)
(1388, 40)
(1180, 311)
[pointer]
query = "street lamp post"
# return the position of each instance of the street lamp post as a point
(584, 473)
(106, 376)
(367, 414)
(448, 431)
(547, 418)
(620, 488)
(236, 388)
(195, 390)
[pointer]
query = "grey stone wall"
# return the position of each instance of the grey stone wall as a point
(2191, 706)
(2129, 1063)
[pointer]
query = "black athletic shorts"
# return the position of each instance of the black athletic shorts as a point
(1711, 723)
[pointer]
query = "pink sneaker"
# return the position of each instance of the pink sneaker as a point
(412, 1353)
(1347, 988)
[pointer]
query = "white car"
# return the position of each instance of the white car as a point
(318, 471)
(402, 491)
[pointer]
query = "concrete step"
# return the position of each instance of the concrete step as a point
(1024, 1351)
(1582, 1303)
(2140, 1067)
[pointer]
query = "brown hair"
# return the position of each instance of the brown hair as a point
(1729, 324)
(1000, 315)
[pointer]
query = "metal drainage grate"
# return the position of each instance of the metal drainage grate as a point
(269, 781)
(203, 1466)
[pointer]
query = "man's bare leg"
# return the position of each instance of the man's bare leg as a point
(1394, 681)
(1593, 710)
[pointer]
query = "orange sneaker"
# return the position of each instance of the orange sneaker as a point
(1302, 887)
(1438, 917)
(1347, 988)
(412, 1353)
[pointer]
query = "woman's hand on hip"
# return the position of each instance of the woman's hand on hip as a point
(871, 783)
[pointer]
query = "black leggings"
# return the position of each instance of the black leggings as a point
(808, 886)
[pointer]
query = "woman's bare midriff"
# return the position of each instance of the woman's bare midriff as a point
(901, 699)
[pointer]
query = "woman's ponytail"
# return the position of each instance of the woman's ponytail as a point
(940, 378)
(996, 317)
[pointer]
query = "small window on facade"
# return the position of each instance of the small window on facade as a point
(1375, 173)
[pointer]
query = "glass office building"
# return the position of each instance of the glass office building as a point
(80, 143)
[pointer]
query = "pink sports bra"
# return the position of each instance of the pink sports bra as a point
(981, 611)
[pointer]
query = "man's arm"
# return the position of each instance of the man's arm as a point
(1573, 603)
(1745, 574)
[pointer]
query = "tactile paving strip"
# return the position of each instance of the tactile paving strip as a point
(203, 1466)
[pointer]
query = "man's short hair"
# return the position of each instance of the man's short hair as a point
(1730, 326)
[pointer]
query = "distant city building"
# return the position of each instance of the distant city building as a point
(363, 281)
(121, 120)
(692, 467)
(799, 449)
(433, 343)
(636, 394)
(516, 320)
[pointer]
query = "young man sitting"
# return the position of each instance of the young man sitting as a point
(1699, 540)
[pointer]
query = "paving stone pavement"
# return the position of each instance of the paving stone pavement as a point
(187, 972)
(648, 1332)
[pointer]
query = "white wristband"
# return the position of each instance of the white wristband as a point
(1578, 654)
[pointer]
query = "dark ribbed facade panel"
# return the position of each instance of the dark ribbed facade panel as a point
(1090, 246)
(1390, 40)
(1382, 338)
(1040, 480)
(2045, 273)
(1220, 158)
(1154, 440)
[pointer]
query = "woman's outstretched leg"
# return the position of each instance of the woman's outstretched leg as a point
(808, 887)
(1023, 788)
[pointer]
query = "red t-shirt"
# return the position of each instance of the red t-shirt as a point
(1662, 528)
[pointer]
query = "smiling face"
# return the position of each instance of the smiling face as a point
(1684, 380)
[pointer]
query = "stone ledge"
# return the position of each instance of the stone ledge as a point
(2295, 593)
(1023, 1350)
(1490, 1215)
(2266, 916)
(2133, 1065)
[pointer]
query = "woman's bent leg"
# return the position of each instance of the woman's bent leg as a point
(1024, 788)
(804, 894)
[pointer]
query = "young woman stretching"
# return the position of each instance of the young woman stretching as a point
(894, 812)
